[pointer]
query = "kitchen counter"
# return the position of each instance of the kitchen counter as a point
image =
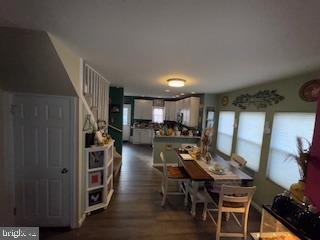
(168, 144)
(181, 136)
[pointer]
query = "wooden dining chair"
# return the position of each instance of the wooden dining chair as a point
(174, 174)
(232, 199)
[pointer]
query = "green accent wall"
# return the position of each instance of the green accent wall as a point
(116, 97)
(289, 88)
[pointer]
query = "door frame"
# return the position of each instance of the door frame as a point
(8, 164)
(73, 154)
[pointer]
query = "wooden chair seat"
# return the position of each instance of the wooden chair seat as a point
(215, 198)
(176, 172)
(233, 205)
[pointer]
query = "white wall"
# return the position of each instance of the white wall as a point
(29, 63)
(6, 161)
(72, 64)
(70, 60)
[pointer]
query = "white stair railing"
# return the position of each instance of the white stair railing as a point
(95, 90)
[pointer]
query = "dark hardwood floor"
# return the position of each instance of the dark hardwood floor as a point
(135, 211)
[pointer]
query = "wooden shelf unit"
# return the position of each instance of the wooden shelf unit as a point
(98, 176)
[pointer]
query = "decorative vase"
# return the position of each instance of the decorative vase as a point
(297, 191)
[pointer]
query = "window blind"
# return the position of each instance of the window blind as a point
(286, 128)
(250, 135)
(225, 132)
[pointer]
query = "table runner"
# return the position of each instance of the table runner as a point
(228, 176)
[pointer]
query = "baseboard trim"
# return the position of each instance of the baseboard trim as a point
(81, 220)
(256, 206)
(168, 164)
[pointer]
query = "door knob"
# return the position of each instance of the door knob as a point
(64, 170)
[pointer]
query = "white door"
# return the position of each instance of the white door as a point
(126, 122)
(43, 151)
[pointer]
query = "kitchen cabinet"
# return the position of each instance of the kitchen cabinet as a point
(143, 109)
(170, 110)
(178, 106)
(190, 109)
(142, 136)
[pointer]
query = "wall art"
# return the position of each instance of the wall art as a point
(95, 197)
(261, 99)
(95, 179)
(96, 159)
(225, 100)
(310, 91)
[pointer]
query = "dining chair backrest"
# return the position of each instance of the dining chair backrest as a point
(238, 161)
(164, 164)
(237, 195)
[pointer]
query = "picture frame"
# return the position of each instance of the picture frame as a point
(115, 108)
(95, 179)
(96, 159)
(95, 196)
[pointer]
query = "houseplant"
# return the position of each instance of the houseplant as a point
(302, 159)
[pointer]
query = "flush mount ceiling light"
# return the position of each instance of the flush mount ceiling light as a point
(176, 82)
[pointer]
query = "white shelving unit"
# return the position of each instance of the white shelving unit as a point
(98, 176)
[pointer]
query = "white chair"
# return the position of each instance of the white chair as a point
(174, 174)
(238, 161)
(232, 199)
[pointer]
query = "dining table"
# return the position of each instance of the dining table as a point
(200, 172)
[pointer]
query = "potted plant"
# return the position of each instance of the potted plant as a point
(302, 159)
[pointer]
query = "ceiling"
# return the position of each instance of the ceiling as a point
(215, 45)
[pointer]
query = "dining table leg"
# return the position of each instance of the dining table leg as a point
(195, 187)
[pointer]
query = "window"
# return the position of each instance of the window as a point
(210, 117)
(286, 128)
(250, 135)
(225, 132)
(158, 114)
(125, 116)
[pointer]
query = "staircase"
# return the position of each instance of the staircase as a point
(95, 90)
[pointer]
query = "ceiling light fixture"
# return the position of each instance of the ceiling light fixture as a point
(167, 90)
(176, 82)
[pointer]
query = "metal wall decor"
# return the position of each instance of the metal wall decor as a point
(261, 99)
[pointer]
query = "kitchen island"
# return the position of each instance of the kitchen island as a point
(167, 145)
